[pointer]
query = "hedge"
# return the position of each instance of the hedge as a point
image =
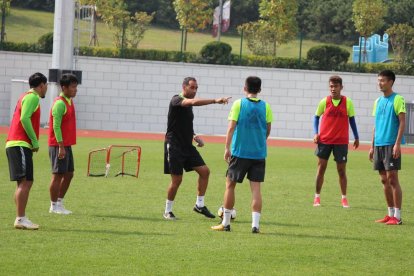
(246, 60)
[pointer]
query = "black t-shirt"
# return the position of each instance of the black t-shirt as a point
(180, 123)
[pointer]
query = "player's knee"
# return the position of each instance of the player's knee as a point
(342, 173)
(205, 172)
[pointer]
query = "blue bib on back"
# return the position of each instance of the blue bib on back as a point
(386, 122)
(249, 137)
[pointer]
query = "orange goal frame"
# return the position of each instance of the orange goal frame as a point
(108, 150)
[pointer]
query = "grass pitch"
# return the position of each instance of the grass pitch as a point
(117, 227)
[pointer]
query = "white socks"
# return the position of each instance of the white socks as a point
(343, 196)
(397, 213)
(59, 202)
(255, 219)
(317, 195)
(391, 211)
(168, 205)
(200, 201)
(226, 217)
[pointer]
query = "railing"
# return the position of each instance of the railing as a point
(409, 123)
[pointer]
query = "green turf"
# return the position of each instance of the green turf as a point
(28, 25)
(117, 226)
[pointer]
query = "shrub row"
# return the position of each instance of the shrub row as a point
(210, 56)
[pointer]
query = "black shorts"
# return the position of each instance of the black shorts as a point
(176, 159)
(383, 160)
(340, 152)
(20, 163)
(61, 165)
(238, 167)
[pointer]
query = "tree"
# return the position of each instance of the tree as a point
(277, 25)
(368, 16)
(138, 25)
(402, 41)
(399, 12)
(192, 15)
(259, 40)
(44, 5)
(244, 11)
(5, 9)
(115, 15)
(327, 20)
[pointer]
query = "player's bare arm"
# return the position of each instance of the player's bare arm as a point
(396, 151)
(200, 102)
(229, 136)
(371, 150)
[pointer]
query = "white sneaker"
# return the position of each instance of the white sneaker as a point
(63, 211)
(53, 210)
(25, 223)
(59, 210)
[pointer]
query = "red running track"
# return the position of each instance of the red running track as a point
(209, 139)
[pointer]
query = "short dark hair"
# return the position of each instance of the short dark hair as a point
(68, 79)
(388, 74)
(253, 84)
(36, 79)
(336, 79)
(187, 80)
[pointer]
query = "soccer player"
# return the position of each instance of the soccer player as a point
(179, 152)
(62, 135)
(337, 111)
(249, 126)
(385, 151)
(22, 141)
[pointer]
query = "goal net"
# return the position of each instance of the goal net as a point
(114, 160)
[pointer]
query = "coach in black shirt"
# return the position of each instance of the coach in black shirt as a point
(179, 152)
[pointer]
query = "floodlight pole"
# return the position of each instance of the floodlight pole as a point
(62, 56)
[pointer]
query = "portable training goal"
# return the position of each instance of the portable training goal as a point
(114, 160)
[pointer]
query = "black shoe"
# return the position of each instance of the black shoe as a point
(204, 211)
(255, 230)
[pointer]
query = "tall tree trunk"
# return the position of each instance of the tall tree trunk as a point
(94, 36)
(185, 40)
(364, 52)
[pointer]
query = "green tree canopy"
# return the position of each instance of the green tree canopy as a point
(401, 37)
(368, 16)
(192, 15)
(277, 25)
(327, 20)
(400, 12)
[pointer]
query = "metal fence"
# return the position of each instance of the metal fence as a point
(409, 124)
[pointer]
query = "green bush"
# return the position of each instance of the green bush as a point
(20, 47)
(216, 52)
(247, 60)
(327, 57)
(399, 69)
(46, 43)
(273, 62)
(143, 54)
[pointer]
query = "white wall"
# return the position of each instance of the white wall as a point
(133, 95)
